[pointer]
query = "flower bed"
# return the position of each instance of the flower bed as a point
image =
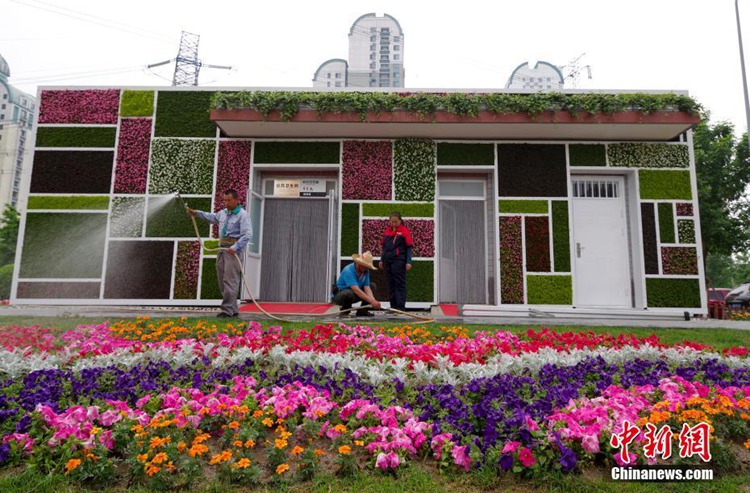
(165, 403)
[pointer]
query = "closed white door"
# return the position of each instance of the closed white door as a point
(600, 234)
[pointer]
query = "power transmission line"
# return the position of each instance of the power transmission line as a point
(92, 19)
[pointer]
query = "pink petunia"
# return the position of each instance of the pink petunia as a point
(526, 457)
(511, 447)
(461, 457)
(590, 444)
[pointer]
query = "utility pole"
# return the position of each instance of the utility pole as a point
(742, 64)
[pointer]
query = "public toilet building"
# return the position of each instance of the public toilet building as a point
(573, 202)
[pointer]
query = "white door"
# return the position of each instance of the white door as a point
(462, 230)
(600, 234)
(253, 255)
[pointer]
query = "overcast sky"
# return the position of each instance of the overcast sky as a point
(639, 44)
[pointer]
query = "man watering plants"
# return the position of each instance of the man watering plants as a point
(235, 232)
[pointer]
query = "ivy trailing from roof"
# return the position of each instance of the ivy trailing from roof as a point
(462, 104)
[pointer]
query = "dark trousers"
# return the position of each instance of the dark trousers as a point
(345, 298)
(395, 273)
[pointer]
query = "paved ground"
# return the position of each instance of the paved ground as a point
(130, 311)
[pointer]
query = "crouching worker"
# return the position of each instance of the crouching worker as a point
(353, 285)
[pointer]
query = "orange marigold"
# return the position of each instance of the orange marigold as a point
(282, 468)
(243, 463)
(250, 444)
(297, 450)
(319, 452)
(345, 450)
(72, 465)
(159, 458)
(197, 450)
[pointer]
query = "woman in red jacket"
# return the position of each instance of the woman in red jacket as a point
(396, 259)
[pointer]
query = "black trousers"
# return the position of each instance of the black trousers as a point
(395, 273)
(345, 298)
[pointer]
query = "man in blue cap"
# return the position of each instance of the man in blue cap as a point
(235, 232)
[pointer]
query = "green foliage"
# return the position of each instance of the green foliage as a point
(292, 152)
(9, 222)
(721, 164)
(405, 209)
(666, 222)
(725, 271)
(465, 154)
(549, 290)
(137, 103)
(63, 245)
(420, 281)
(170, 221)
(460, 104)
(561, 235)
(75, 202)
(209, 246)
(686, 230)
(184, 114)
(75, 136)
(673, 293)
(523, 207)
(414, 170)
(349, 229)
(587, 155)
(209, 283)
(665, 184)
(6, 280)
(185, 166)
(648, 155)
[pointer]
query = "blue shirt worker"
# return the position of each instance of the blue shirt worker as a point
(235, 232)
(354, 286)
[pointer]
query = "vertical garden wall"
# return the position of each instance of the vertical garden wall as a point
(100, 223)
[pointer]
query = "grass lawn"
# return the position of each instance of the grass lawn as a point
(417, 478)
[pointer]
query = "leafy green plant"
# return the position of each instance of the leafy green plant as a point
(405, 209)
(673, 293)
(420, 281)
(349, 229)
(648, 155)
(6, 279)
(666, 222)
(170, 221)
(466, 105)
(184, 114)
(523, 207)
(561, 235)
(549, 290)
(292, 152)
(137, 103)
(37, 202)
(414, 170)
(665, 184)
(63, 245)
(75, 136)
(456, 154)
(587, 155)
